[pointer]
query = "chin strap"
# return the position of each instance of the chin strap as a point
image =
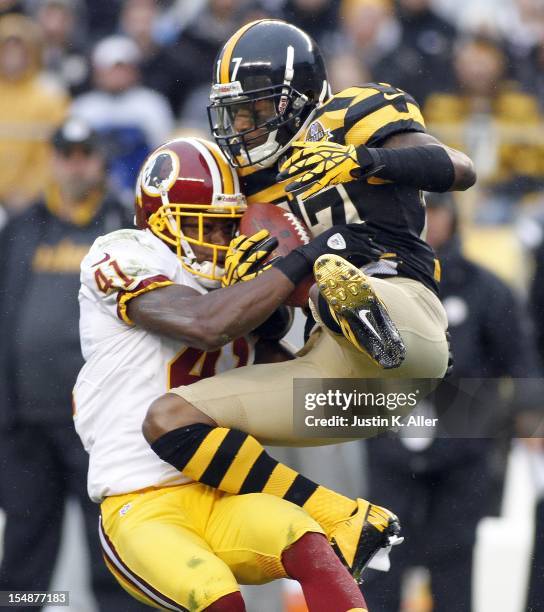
(207, 267)
(269, 161)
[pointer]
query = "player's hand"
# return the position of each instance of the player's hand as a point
(317, 165)
(245, 257)
(354, 242)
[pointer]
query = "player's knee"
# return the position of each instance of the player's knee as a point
(170, 412)
(233, 602)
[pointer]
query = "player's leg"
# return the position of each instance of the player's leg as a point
(259, 399)
(392, 321)
(262, 538)
(153, 544)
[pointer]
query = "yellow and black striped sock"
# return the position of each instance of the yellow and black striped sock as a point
(235, 462)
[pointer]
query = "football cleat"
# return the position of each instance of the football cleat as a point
(366, 537)
(361, 315)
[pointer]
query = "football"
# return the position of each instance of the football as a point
(291, 233)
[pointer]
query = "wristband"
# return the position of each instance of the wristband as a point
(295, 266)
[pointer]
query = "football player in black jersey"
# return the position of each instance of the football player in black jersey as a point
(360, 156)
(353, 167)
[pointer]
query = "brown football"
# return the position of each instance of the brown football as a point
(291, 233)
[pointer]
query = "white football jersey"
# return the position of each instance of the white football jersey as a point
(126, 367)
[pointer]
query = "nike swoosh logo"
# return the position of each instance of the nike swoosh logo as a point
(363, 316)
(106, 257)
(391, 96)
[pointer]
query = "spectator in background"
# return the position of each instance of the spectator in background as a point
(102, 17)
(9, 7)
(198, 45)
(202, 38)
(175, 17)
(319, 18)
(531, 428)
(441, 487)
(535, 594)
(345, 70)
(41, 459)
(529, 70)
(421, 62)
(65, 56)
(497, 123)
(30, 109)
(369, 30)
(162, 67)
(132, 118)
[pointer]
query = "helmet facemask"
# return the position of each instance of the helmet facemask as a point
(256, 127)
(170, 223)
(187, 194)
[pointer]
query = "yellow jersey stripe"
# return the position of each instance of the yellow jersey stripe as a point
(280, 480)
(363, 130)
(199, 462)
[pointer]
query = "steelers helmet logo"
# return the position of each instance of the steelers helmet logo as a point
(160, 172)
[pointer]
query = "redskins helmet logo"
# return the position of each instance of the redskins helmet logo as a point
(160, 172)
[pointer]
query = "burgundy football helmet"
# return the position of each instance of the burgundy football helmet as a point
(188, 178)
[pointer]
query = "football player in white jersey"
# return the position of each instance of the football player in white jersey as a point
(170, 542)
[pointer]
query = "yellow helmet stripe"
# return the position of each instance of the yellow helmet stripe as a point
(224, 169)
(224, 68)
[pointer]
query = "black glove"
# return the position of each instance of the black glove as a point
(354, 242)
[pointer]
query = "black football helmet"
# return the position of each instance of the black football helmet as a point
(269, 78)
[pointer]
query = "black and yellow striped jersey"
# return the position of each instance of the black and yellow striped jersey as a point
(362, 115)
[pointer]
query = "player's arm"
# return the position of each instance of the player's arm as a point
(214, 319)
(413, 159)
(464, 175)
(129, 278)
(384, 138)
(252, 295)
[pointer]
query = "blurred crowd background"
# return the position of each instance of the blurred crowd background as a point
(138, 72)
